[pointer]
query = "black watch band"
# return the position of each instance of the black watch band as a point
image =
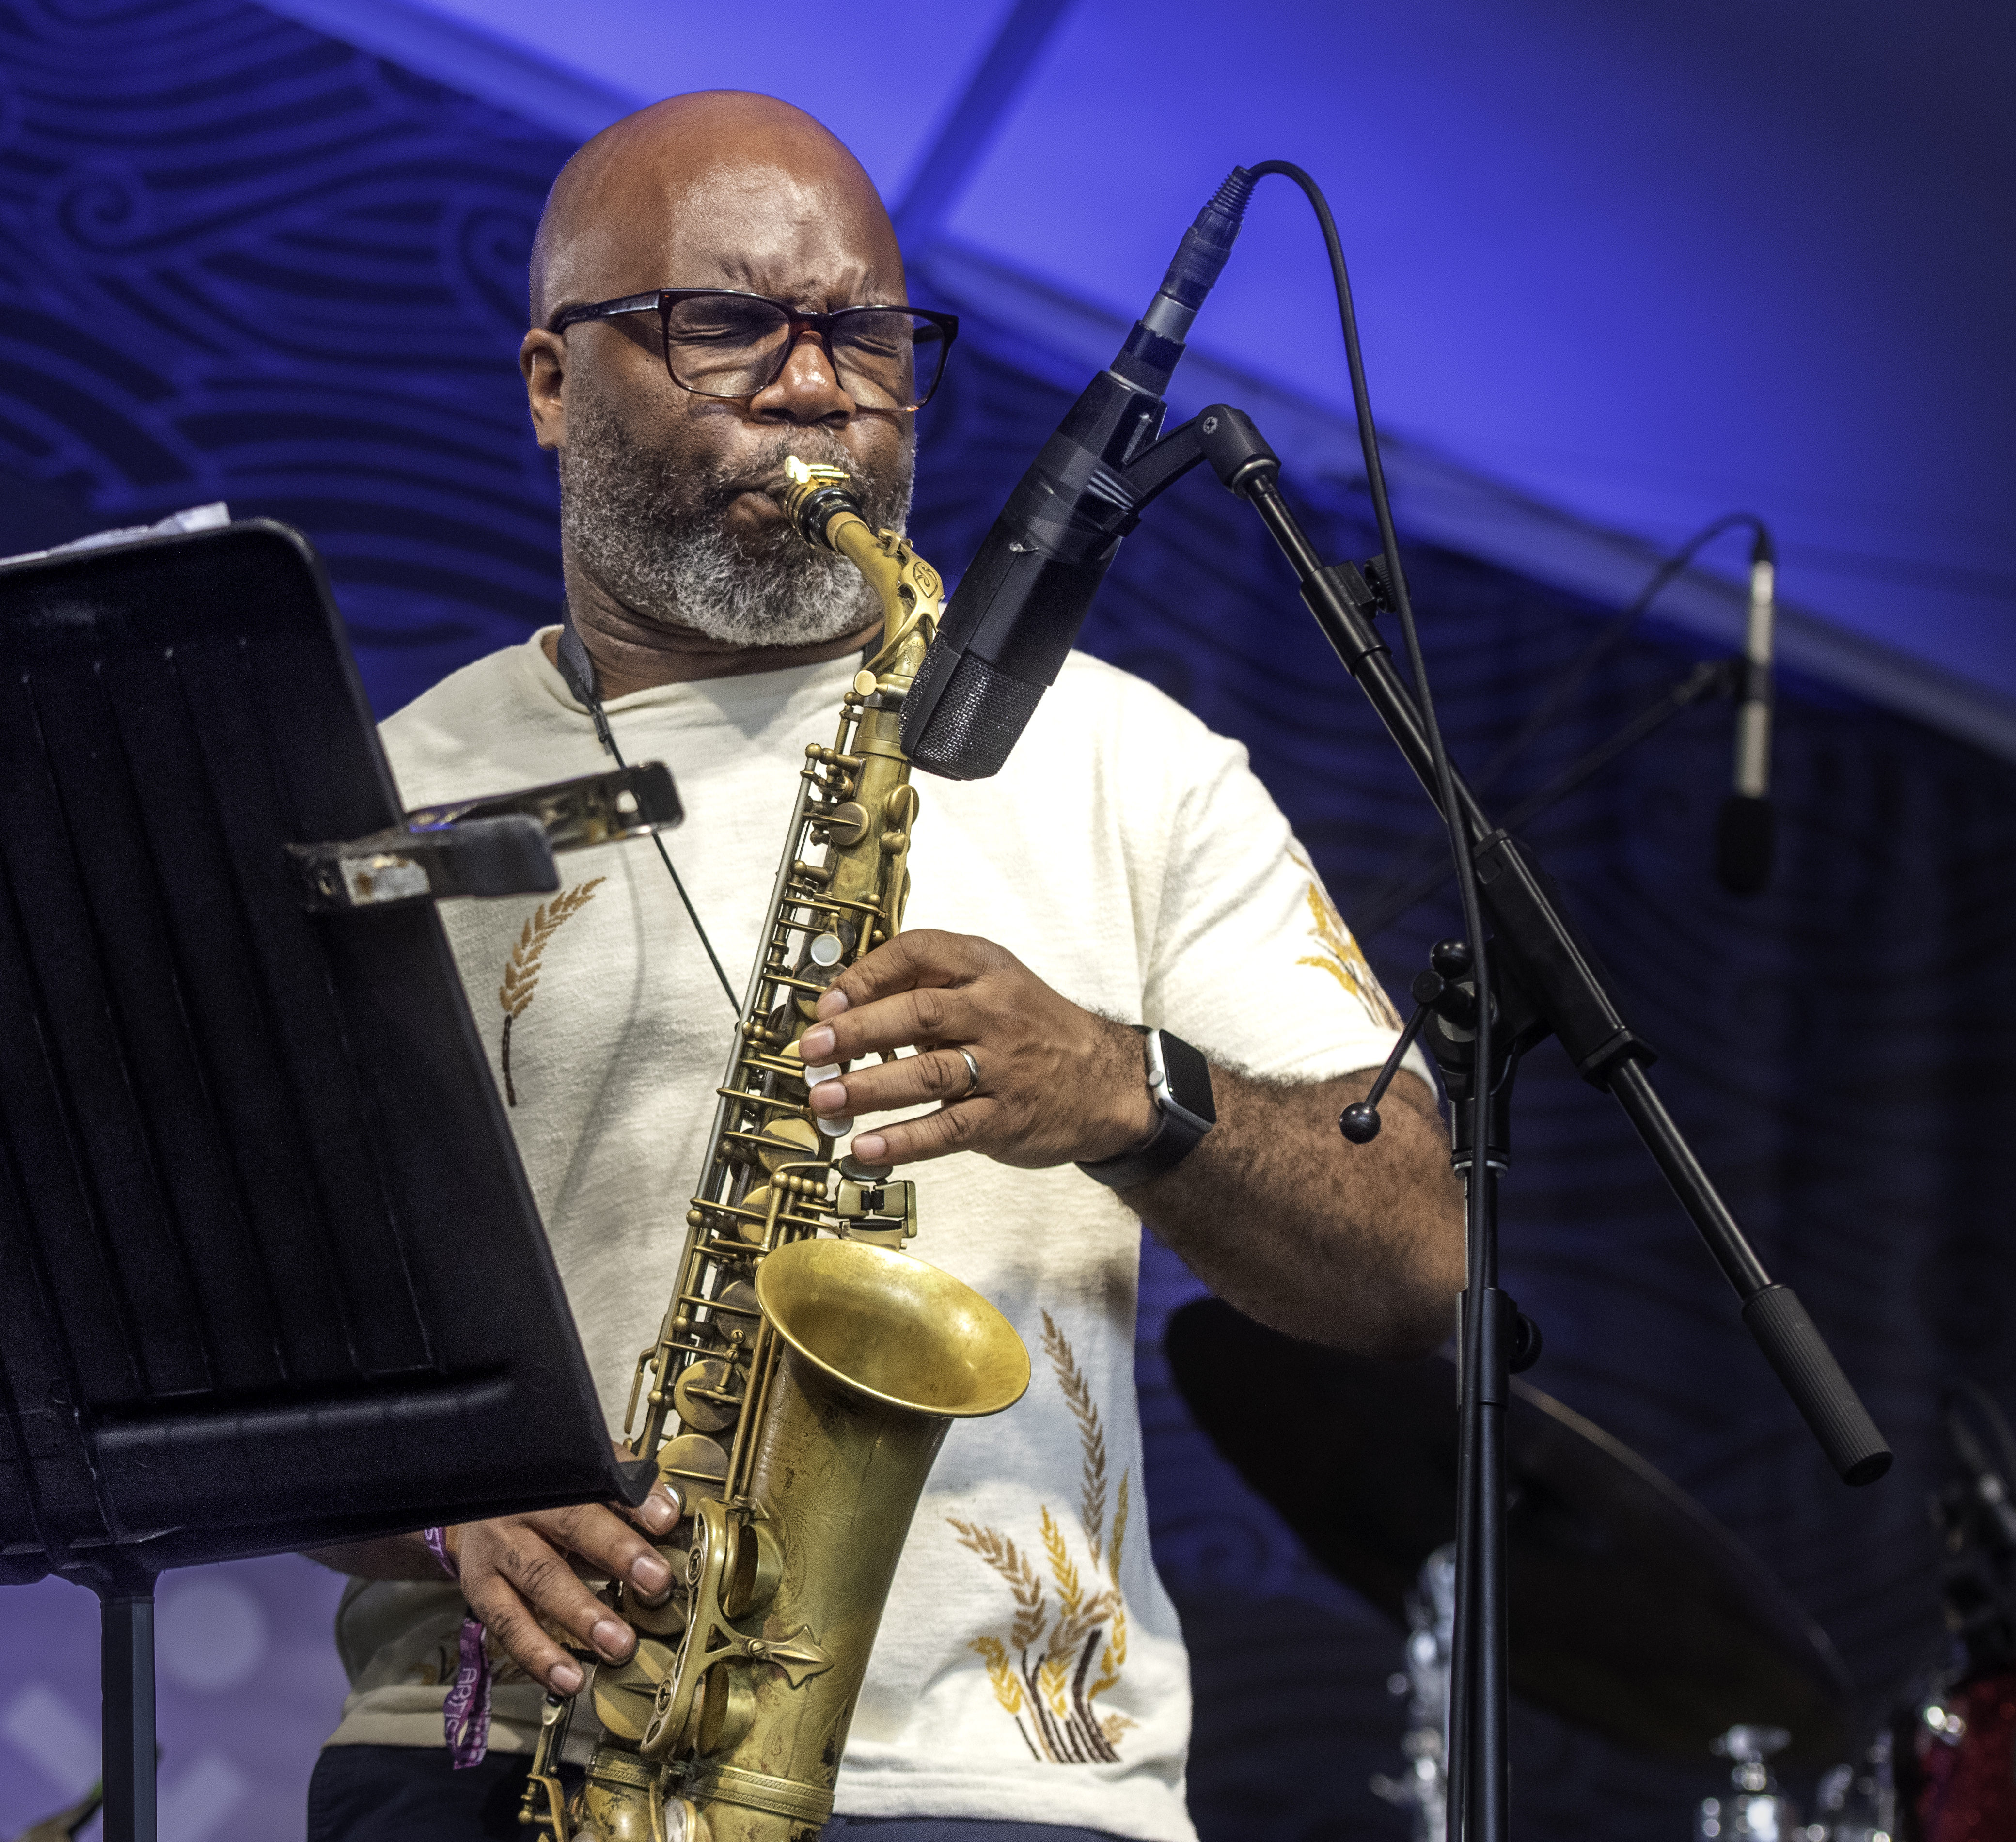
(1179, 1084)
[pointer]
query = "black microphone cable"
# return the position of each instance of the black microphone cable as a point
(1611, 635)
(1389, 900)
(1480, 1731)
(1396, 580)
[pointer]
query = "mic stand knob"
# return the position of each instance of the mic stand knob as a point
(1436, 994)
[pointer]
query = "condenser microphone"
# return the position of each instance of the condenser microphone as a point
(1019, 606)
(1744, 832)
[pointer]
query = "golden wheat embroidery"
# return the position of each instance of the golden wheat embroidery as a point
(1340, 956)
(1053, 1673)
(521, 970)
(1092, 1439)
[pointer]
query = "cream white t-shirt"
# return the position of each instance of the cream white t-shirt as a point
(1030, 1664)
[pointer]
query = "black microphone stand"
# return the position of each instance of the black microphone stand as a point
(1543, 981)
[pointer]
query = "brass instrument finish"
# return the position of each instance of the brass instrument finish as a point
(800, 1343)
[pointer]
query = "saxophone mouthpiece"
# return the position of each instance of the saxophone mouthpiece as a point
(816, 496)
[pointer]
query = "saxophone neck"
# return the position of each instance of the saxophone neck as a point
(912, 592)
(821, 502)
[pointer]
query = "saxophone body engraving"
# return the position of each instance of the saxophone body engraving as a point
(807, 1368)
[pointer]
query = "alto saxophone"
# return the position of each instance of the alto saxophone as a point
(807, 1368)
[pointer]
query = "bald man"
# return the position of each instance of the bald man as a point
(1030, 1680)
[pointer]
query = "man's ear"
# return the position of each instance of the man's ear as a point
(542, 363)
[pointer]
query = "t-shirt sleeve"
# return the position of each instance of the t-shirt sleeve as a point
(1250, 959)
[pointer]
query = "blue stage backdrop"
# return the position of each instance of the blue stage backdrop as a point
(242, 261)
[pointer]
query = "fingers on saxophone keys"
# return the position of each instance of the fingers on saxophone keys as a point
(943, 1075)
(931, 1014)
(519, 1629)
(658, 1513)
(959, 1128)
(827, 1095)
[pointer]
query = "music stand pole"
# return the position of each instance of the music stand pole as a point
(126, 1679)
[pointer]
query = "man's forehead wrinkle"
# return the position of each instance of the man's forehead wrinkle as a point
(774, 231)
(759, 230)
(723, 167)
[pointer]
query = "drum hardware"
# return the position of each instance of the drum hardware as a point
(1642, 1619)
(1955, 1775)
(1858, 1803)
(1957, 1783)
(1425, 1683)
(1752, 1809)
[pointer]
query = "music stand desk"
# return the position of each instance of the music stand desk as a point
(271, 1276)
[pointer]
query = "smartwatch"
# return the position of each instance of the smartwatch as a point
(1179, 1084)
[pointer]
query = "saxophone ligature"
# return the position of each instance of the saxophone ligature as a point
(807, 1368)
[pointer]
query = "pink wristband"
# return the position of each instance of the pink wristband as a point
(437, 1541)
(465, 1712)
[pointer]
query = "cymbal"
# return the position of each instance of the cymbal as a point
(1634, 1613)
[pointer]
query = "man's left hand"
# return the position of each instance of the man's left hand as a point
(1056, 1083)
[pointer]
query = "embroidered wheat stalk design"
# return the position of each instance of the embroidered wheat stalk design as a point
(1091, 1434)
(1062, 1566)
(1013, 1565)
(1053, 1673)
(521, 970)
(1341, 956)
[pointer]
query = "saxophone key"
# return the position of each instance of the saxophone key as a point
(668, 1618)
(737, 1311)
(754, 1226)
(727, 1709)
(844, 825)
(785, 1141)
(626, 1693)
(695, 1469)
(703, 1397)
(755, 1570)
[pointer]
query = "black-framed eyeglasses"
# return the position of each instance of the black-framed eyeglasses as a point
(721, 342)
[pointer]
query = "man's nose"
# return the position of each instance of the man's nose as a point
(808, 390)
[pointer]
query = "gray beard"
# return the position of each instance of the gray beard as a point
(651, 533)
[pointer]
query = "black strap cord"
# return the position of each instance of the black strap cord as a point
(1413, 879)
(579, 670)
(1476, 1709)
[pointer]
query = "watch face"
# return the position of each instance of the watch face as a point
(1188, 1078)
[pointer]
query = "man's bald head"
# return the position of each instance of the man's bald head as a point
(669, 521)
(696, 190)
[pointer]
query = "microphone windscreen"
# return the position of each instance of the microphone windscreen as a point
(974, 722)
(1744, 832)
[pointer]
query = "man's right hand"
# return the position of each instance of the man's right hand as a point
(518, 1576)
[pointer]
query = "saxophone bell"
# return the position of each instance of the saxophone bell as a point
(880, 1353)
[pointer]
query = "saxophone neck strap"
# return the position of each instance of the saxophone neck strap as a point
(578, 670)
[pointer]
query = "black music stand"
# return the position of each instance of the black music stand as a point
(271, 1276)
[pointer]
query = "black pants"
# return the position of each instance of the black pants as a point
(411, 1793)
